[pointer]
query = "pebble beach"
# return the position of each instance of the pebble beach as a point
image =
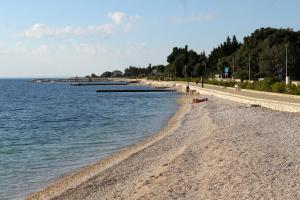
(213, 150)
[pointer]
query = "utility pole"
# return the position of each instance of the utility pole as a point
(186, 61)
(287, 79)
(203, 75)
(259, 67)
(233, 63)
(185, 72)
(249, 67)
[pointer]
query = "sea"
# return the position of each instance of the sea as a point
(48, 130)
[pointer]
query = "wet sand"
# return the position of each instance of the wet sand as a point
(212, 150)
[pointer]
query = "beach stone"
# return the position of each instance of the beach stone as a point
(216, 150)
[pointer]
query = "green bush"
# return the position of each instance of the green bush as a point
(278, 87)
(298, 90)
(265, 85)
(291, 89)
(268, 85)
(242, 85)
(242, 74)
(250, 86)
(220, 83)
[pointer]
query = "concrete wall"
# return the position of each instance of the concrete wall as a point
(296, 82)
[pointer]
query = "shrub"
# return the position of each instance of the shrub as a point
(243, 85)
(221, 83)
(291, 89)
(298, 90)
(243, 75)
(266, 85)
(278, 87)
(249, 86)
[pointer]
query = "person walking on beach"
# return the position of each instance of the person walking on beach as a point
(187, 89)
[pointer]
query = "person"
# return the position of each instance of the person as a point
(187, 89)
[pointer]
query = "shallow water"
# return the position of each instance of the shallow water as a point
(50, 129)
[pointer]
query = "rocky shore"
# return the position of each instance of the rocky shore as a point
(213, 150)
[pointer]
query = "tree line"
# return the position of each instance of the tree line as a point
(182, 63)
(263, 52)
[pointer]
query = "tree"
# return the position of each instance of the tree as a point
(106, 75)
(223, 50)
(116, 74)
(183, 63)
(198, 70)
(94, 76)
(266, 47)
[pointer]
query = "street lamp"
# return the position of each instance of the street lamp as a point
(203, 74)
(233, 66)
(249, 67)
(185, 60)
(287, 79)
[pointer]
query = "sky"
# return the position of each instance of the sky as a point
(62, 38)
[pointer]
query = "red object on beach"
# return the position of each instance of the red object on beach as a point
(199, 100)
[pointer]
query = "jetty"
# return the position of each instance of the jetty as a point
(102, 83)
(70, 80)
(149, 90)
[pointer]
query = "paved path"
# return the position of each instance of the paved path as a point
(264, 95)
(275, 101)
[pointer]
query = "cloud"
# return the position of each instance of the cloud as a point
(21, 48)
(117, 17)
(73, 59)
(120, 22)
(18, 48)
(193, 18)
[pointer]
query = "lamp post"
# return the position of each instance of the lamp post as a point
(233, 66)
(185, 61)
(249, 67)
(185, 74)
(287, 79)
(203, 74)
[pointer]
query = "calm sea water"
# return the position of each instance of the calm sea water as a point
(48, 130)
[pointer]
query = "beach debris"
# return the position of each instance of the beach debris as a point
(197, 100)
(255, 106)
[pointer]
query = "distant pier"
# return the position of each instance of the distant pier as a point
(154, 90)
(103, 83)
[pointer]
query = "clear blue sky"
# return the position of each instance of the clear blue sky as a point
(67, 37)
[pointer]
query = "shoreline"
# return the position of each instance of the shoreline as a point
(81, 175)
(219, 149)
